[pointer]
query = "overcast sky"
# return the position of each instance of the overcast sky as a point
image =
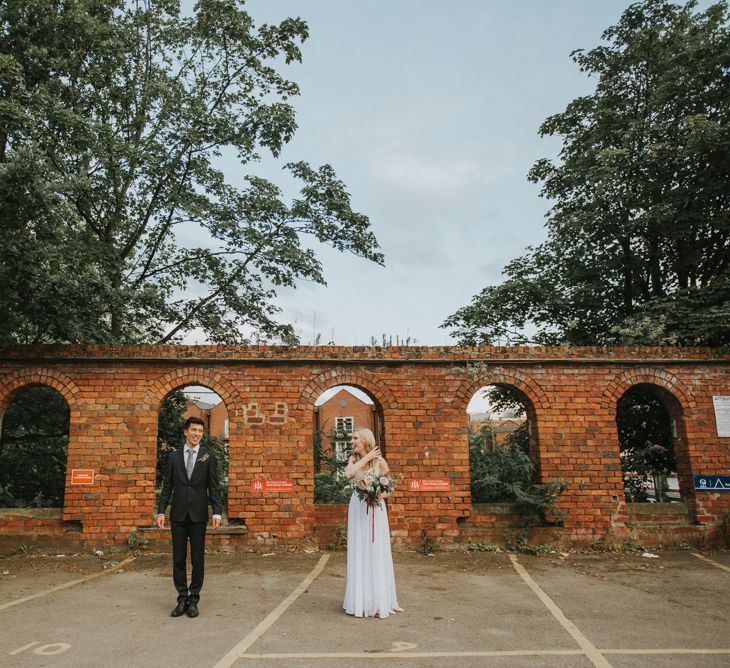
(429, 112)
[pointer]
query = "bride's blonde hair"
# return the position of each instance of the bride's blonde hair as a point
(368, 439)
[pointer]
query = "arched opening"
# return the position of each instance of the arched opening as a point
(338, 411)
(503, 462)
(193, 401)
(650, 429)
(33, 449)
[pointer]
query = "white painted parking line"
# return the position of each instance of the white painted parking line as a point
(666, 651)
(416, 655)
(589, 649)
(66, 585)
(710, 561)
(496, 653)
(230, 658)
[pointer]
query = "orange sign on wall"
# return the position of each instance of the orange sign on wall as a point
(82, 476)
(272, 486)
(429, 485)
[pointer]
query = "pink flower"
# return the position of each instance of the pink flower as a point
(384, 480)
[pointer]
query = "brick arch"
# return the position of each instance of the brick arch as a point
(60, 382)
(646, 375)
(161, 387)
(514, 377)
(358, 378)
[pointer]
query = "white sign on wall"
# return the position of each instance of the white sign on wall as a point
(722, 415)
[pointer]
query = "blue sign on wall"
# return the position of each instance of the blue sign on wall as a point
(712, 483)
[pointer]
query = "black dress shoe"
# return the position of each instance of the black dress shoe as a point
(180, 609)
(193, 610)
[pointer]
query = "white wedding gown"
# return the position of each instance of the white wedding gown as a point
(370, 588)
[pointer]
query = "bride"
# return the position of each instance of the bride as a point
(370, 590)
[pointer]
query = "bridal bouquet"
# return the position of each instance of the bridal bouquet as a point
(370, 486)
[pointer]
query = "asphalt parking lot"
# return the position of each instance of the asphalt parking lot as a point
(461, 609)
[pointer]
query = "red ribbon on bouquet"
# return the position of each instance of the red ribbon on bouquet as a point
(372, 531)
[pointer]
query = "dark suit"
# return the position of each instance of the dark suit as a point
(189, 515)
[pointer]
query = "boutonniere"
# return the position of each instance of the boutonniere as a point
(203, 458)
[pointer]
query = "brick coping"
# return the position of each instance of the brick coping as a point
(366, 354)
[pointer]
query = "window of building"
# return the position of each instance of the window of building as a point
(345, 424)
(342, 450)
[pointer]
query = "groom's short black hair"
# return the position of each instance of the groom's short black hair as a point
(193, 420)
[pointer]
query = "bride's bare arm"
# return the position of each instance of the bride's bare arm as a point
(354, 466)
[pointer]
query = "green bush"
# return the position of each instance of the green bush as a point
(505, 474)
(330, 485)
(328, 488)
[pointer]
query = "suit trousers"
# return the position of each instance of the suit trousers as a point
(182, 533)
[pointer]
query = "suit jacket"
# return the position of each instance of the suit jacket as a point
(191, 496)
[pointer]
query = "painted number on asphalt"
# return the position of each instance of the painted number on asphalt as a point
(44, 650)
(402, 646)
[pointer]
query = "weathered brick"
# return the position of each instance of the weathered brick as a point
(114, 393)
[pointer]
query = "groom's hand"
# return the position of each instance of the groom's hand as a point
(160, 521)
(215, 522)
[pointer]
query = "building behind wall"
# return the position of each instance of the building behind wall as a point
(340, 415)
(215, 417)
(503, 423)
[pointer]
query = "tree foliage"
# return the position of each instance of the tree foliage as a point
(638, 239)
(33, 449)
(646, 441)
(118, 223)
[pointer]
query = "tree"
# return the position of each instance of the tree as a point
(33, 449)
(646, 442)
(638, 246)
(118, 223)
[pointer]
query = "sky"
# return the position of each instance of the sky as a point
(429, 112)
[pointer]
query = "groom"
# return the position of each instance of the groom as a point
(191, 477)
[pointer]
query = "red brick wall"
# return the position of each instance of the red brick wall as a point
(114, 394)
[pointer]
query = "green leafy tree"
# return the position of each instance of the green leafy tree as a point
(117, 221)
(170, 430)
(638, 243)
(646, 443)
(33, 449)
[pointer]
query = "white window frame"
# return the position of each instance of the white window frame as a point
(342, 451)
(345, 423)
